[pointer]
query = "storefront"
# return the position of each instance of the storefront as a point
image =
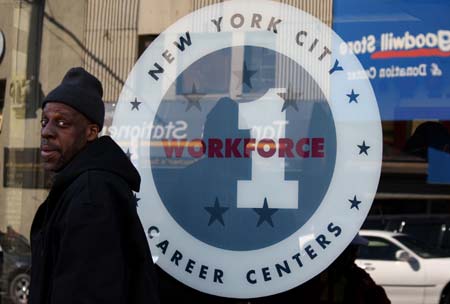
(404, 52)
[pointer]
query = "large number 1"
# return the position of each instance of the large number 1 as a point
(267, 176)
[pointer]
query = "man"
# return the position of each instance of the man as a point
(88, 245)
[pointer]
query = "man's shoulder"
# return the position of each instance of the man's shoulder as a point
(95, 184)
(100, 178)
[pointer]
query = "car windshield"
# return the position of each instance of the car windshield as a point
(16, 244)
(420, 248)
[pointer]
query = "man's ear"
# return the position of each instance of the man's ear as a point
(92, 132)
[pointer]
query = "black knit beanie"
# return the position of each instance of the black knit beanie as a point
(81, 91)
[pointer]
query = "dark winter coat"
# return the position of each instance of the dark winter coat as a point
(88, 245)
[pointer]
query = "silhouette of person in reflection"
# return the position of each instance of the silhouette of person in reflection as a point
(343, 282)
(430, 134)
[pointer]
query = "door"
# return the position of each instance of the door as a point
(402, 280)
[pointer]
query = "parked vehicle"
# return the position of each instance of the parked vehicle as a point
(409, 271)
(434, 231)
(15, 263)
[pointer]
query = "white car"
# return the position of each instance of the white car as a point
(408, 271)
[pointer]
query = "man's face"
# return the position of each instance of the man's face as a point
(64, 133)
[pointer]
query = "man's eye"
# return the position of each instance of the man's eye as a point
(62, 123)
(43, 123)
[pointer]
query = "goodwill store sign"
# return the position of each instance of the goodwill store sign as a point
(277, 162)
(406, 45)
(404, 48)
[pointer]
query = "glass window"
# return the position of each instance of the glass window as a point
(420, 248)
(14, 244)
(378, 249)
(404, 50)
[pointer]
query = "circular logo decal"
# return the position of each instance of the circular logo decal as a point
(259, 158)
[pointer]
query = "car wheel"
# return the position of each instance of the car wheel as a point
(19, 289)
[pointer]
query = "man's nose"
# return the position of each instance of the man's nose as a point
(47, 131)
